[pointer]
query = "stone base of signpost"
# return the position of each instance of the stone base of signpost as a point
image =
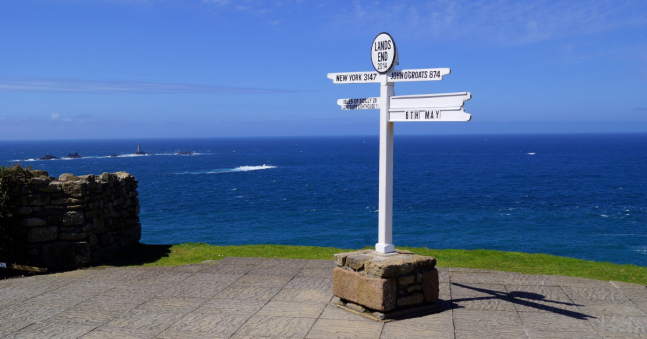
(385, 286)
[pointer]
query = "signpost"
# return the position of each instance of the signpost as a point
(426, 107)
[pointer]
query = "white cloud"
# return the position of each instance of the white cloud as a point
(504, 21)
(55, 116)
(126, 87)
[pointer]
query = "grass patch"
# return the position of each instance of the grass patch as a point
(191, 253)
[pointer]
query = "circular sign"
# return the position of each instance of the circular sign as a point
(383, 52)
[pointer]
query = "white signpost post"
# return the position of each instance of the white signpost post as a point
(425, 107)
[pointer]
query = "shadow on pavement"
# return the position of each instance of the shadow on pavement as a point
(138, 255)
(529, 300)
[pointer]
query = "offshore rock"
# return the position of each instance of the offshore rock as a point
(74, 155)
(47, 157)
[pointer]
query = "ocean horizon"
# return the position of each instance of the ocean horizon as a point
(573, 195)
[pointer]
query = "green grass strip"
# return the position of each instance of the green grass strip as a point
(191, 253)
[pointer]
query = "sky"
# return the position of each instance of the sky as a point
(107, 69)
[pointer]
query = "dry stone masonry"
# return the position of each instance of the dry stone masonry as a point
(385, 285)
(74, 221)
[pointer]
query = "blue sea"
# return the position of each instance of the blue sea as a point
(582, 196)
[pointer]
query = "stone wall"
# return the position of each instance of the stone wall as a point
(386, 285)
(73, 222)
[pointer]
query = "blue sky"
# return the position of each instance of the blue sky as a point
(215, 68)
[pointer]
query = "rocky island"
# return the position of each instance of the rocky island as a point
(75, 155)
(47, 157)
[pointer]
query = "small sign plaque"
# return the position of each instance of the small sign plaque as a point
(430, 114)
(359, 103)
(383, 52)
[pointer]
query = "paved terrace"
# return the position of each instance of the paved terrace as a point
(286, 298)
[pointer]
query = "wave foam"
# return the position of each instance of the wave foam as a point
(228, 170)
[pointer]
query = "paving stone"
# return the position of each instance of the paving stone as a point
(14, 294)
(444, 289)
(85, 288)
(187, 335)
(228, 269)
(146, 302)
(17, 316)
(623, 285)
(443, 274)
(525, 279)
(54, 298)
(83, 317)
(53, 331)
(303, 295)
(333, 312)
(566, 308)
(466, 319)
(284, 263)
(31, 311)
(477, 290)
(172, 304)
(231, 306)
(112, 275)
(8, 327)
(539, 321)
(594, 293)
(562, 335)
(537, 292)
(596, 308)
(491, 333)
(475, 278)
(239, 261)
(484, 303)
(162, 278)
(272, 271)
(208, 324)
(51, 283)
(316, 272)
(434, 321)
(196, 289)
(623, 336)
(321, 264)
(392, 331)
(113, 333)
(250, 280)
(292, 309)
(138, 288)
(282, 327)
(634, 294)
(311, 283)
(620, 324)
(579, 282)
(335, 328)
(438, 325)
(143, 321)
(248, 293)
(220, 277)
(113, 302)
(190, 268)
